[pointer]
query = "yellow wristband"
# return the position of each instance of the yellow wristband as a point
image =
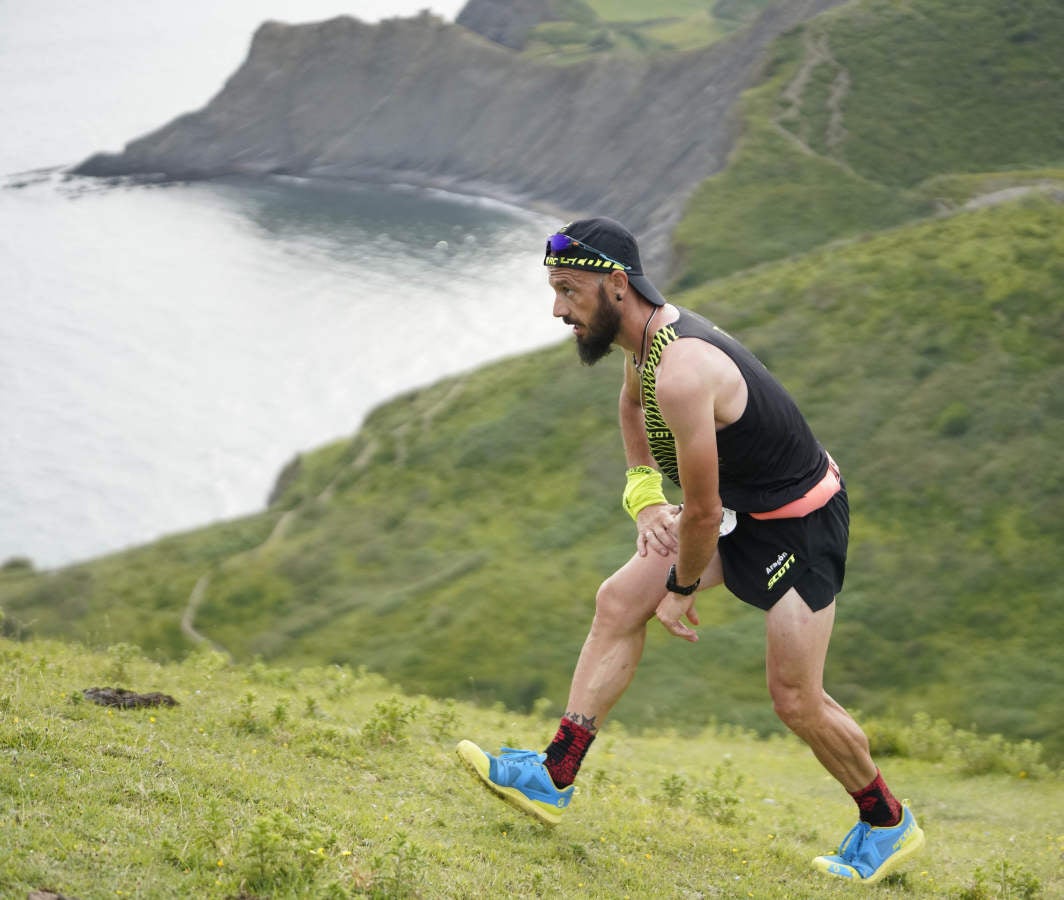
(642, 489)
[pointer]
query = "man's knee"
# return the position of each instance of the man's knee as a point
(616, 609)
(797, 707)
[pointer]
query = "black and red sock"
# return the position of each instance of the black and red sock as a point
(567, 751)
(877, 804)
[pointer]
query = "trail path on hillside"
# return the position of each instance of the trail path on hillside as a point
(281, 527)
(817, 53)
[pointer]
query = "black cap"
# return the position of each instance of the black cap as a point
(601, 244)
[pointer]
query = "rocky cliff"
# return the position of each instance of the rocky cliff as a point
(507, 22)
(426, 102)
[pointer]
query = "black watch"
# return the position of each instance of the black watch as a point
(674, 588)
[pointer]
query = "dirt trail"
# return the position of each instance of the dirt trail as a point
(788, 121)
(280, 529)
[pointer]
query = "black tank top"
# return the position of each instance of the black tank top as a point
(769, 456)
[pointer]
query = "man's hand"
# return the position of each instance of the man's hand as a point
(672, 609)
(657, 528)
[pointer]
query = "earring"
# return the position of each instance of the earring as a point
(619, 298)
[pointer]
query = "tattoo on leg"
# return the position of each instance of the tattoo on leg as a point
(583, 721)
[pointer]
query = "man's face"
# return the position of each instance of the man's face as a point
(580, 300)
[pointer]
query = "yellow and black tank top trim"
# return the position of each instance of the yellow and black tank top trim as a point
(662, 444)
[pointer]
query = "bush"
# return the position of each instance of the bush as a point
(935, 740)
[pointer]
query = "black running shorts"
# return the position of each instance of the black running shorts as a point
(763, 558)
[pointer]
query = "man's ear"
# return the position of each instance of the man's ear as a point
(618, 283)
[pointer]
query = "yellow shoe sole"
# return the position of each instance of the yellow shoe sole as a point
(476, 760)
(914, 841)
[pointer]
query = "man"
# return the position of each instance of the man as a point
(764, 512)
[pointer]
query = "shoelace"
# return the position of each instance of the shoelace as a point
(851, 844)
(510, 755)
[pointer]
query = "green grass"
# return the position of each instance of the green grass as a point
(938, 86)
(474, 519)
(590, 28)
(456, 542)
(328, 782)
(858, 108)
(637, 11)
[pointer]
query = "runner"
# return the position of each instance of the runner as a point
(764, 512)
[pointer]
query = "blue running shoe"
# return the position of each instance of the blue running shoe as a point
(520, 778)
(868, 853)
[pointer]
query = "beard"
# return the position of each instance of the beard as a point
(600, 332)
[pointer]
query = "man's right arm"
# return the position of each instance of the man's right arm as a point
(633, 425)
(655, 525)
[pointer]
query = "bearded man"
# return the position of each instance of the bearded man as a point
(764, 513)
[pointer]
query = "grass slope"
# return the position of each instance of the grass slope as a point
(586, 28)
(456, 542)
(327, 782)
(861, 110)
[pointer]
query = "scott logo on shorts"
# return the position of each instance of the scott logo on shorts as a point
(781, 566)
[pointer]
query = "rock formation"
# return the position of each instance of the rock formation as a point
(426, 102)
(507, 22)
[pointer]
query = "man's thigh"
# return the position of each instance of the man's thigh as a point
(640, 583)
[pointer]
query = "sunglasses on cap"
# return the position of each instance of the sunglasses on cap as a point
(558, 243)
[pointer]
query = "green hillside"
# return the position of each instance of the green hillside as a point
(584, 28)
(455, 543)
(863, 108)
(328, 782)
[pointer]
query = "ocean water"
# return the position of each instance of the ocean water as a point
(166, 349)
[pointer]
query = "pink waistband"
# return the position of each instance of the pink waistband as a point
(818, 496)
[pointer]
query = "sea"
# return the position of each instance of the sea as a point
(165, 349)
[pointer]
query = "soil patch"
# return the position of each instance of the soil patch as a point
(106, 696)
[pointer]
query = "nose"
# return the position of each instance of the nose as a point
(561, 308)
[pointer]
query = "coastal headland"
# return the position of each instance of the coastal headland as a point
(425, 102)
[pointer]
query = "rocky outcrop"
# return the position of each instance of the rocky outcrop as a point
(426, 102)
(507, 22)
